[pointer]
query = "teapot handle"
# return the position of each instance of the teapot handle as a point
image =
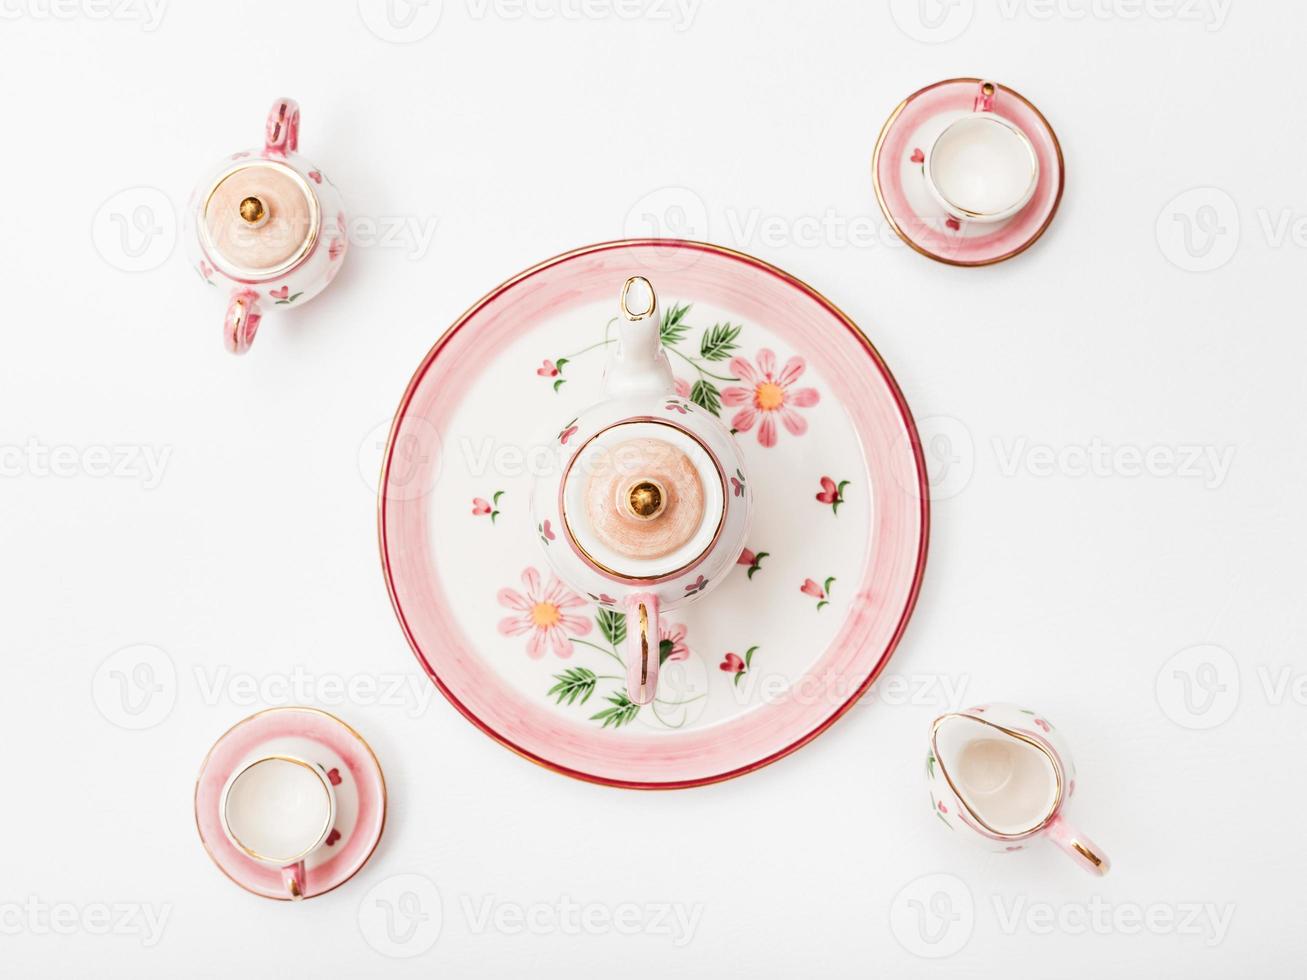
(242, 321)
(642, 647)
(282, 132)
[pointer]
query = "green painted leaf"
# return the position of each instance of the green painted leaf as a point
(495, 499)
(573, 683)
(612, 624)
(664, 651)
(719, 341)
(757, 563)
(559, 383)
(706, 396)
(748, 657)
(829, 582)
(673, 328)
(560, 363)
(622, 712)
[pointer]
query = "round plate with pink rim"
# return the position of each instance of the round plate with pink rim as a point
(806, 618)
(350, 765)
(897, 173)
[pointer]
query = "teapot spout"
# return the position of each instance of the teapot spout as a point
(638, 364)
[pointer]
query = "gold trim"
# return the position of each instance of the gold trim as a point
(884, 208)
(923, 502)
(653, 300)
(661, 576)
(1087, 854)
(305, 247)
(381, 777)
(644, 645)
(1020, 736)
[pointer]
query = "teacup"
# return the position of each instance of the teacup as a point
(981, 167)
(1001, 775)
(279, 809)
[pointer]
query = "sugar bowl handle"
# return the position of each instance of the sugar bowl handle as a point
(242, 321)
(642, 647)
(282, 133)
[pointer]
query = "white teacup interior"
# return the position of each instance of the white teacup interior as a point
(982, 165)
(1008, 783)
(278, 809)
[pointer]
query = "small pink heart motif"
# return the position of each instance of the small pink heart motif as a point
(809, 587)
(336, 249)
(918, 156)
(315, 176)
(547, 369)
(732, 664)
(566, 434)
(1043, 724)
(953, 223)
(548, 531)
(480, 506)
(334, 777)
(333, 837)
(828, 491)
(737, 486)
(281, 293)
(942, 807)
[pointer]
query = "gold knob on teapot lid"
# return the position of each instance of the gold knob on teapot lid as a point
(252, 211)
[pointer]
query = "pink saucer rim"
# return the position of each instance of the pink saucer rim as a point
(922, 494)
(298, 709)
(906, 238)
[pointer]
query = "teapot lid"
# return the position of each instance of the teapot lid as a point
(643, 499)
(259, 219)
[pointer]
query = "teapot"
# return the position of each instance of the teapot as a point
(266, 226)
(1002, 775)
(647, 505)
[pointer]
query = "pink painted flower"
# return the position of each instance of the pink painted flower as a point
(828, 494)
(682, 387)
(673, 634)
(811, 588)
(335, 249)
(769, 395)
(674, 406)
(315, 176)
(732, 664)
(206, 270)
(953, 223)
(918, 156)
(697, 586)
(281, 293)
(547, 369)
(332, 837)
(543, 613)
(481, 506)
(569, 430)
(747, 557)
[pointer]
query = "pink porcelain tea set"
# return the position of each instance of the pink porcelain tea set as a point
(710, 549)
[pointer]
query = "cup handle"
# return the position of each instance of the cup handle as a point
(292, 876)
(984, 101)
(641, 647)
(282, 132)
(1078, 847)
(242, 321)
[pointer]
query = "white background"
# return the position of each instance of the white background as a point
(517, 134)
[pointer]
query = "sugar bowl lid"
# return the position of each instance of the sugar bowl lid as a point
(259, 219)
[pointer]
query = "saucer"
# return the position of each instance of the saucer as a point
(917, 218)
(805, 620)
(318, 737)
